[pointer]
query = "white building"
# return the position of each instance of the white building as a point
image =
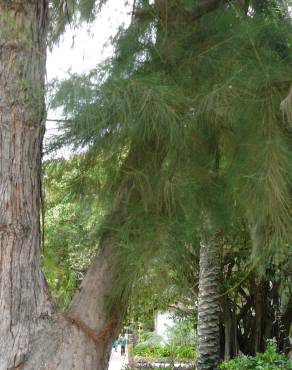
(163, 320)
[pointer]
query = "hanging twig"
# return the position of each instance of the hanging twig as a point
(59, 120)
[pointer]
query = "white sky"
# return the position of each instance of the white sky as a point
(82, 49)
(88, 48)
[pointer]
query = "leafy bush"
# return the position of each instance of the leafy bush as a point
(150, 337)
(182, 333)
(269, 360)
(151, 350)
(185, 351)
(168, 351)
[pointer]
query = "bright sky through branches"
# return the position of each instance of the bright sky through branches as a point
(82, 49)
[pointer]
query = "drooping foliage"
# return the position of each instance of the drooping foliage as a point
(201, 96)
(72, 219)
(215, 86)
(65, 13)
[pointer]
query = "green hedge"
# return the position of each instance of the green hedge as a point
(158, 351)
(269, 360)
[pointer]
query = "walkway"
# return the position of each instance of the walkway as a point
(118, 362)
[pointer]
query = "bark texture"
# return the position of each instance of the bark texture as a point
(84, 339)
(24, 304)
(32, 335)
(208, 304)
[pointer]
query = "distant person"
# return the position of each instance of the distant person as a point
(116, 344)
(123, 345)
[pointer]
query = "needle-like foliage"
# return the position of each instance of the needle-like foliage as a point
(208, 93)
(70, 12)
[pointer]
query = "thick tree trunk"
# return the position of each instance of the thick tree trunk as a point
(24, 303)
(208, 303)
(32, 335)
(98, 314)
(82, 338)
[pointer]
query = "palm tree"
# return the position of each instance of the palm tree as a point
(254, 156)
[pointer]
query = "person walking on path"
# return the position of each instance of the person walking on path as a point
(123, 345)
(116, 344)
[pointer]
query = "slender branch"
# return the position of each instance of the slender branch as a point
(181, 307)
(133, 11)
(59, 120)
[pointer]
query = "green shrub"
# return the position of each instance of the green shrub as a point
(150, 337)
(269, 360)
(182, 333)
(185, 351)
(145, 349)
(153, 351)
(150, 346)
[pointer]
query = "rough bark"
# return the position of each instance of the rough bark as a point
(32, 335)
(82, 338)
(97, 316)
(208, 303)
(24, 304)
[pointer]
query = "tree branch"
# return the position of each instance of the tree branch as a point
(204, 7)
(58, 120)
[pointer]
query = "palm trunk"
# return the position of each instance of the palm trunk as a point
(208, 304)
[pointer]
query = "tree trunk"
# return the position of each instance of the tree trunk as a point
(208, 303)
(285, 322)
(230, 328)
(24, 304)
(32, 335)
(82, 338)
